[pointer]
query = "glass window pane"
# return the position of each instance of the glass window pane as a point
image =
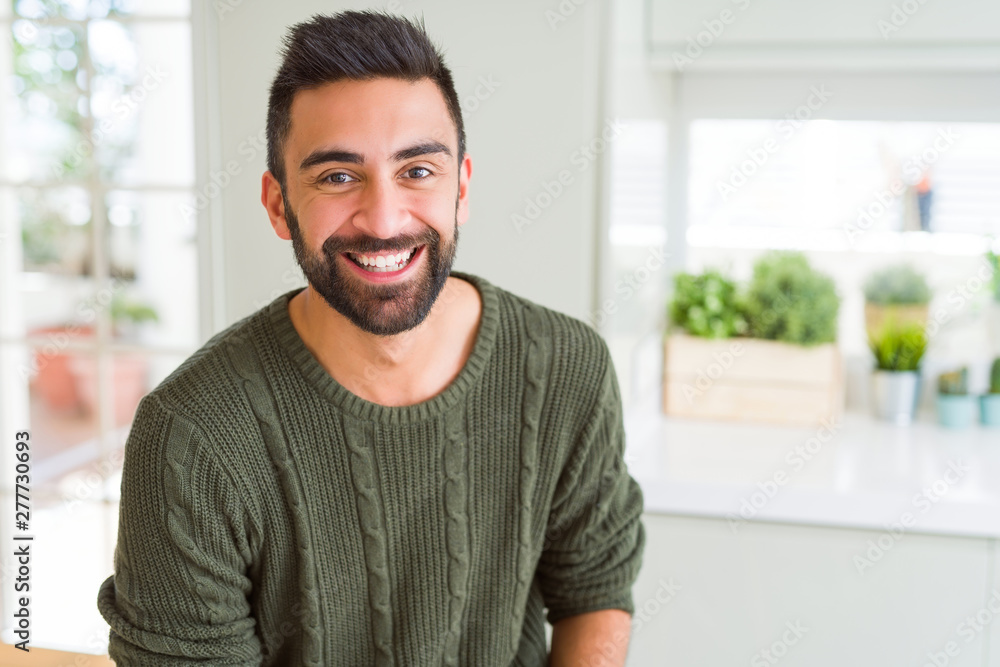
(79, 10)
(45, 114)
(157, 7)
(844, 175)
(16, 362)
(118, 8)
(55, 230)
(637, 231)
(11, 324)
(152, 247)
(70, 465)
(63, 416)
(55, 286)
(35, 9)
(43, 9)
(98, 474)
(143, 114)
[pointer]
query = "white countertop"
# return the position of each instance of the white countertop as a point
(869, 474)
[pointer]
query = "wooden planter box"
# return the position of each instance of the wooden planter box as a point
(751, 379)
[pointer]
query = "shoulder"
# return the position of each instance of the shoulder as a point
(573, 340)
(575, 357)
(538, 321)
(206, 387)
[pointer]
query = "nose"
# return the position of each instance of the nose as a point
(381, 212)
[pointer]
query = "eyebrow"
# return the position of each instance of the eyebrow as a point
(323, 156)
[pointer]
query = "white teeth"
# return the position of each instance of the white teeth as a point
(384, 263)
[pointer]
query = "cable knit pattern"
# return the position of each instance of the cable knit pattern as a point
(254, 386)
(535, 372)
(370, 519)
(180, 526)
(271, 517)
(457, 533)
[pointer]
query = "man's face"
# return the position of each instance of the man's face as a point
(374, 197)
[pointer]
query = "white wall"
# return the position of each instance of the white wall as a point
(851, 34)
(849, 21)
(522, 134)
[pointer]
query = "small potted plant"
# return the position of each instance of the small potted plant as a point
(705, 305)
(899, 293)
(128, 315)
(993, 259)
(993, 311)
(956, 408)
(989, 403)
(898, 350)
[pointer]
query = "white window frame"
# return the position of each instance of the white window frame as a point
(202, 22)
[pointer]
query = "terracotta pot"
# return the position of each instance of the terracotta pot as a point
(54, 382)
(128, 384)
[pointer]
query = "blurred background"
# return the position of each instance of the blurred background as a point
(782, 216)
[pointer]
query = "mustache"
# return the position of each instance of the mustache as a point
(370, 244)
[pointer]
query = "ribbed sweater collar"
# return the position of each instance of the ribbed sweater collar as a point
(292, 344)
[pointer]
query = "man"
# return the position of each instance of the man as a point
(398, 464)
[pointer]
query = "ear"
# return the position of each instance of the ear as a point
(464, 174)
(274, 204)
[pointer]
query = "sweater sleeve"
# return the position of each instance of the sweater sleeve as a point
(179, 592)
(595, 537)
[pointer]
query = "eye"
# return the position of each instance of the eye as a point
(337, 178)
(419, 169)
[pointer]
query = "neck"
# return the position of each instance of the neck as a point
(402, 369)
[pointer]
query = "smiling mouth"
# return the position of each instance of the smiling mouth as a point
(383, 262)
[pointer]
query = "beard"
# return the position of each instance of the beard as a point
(382, 309)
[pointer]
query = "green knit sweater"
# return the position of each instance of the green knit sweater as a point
(271, 517)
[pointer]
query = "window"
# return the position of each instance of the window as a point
(631, 311)
(99, 285)
(770, 182)
(791, 158)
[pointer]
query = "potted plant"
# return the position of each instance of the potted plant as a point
(789, 301)
(993, 260)
(706, 305)
(127, 315)
(899, 293)
(993, 311)
(955, 407)
(766, 355)
(989, 403)
(898, 350)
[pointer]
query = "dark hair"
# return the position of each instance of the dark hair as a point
(356, 45)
